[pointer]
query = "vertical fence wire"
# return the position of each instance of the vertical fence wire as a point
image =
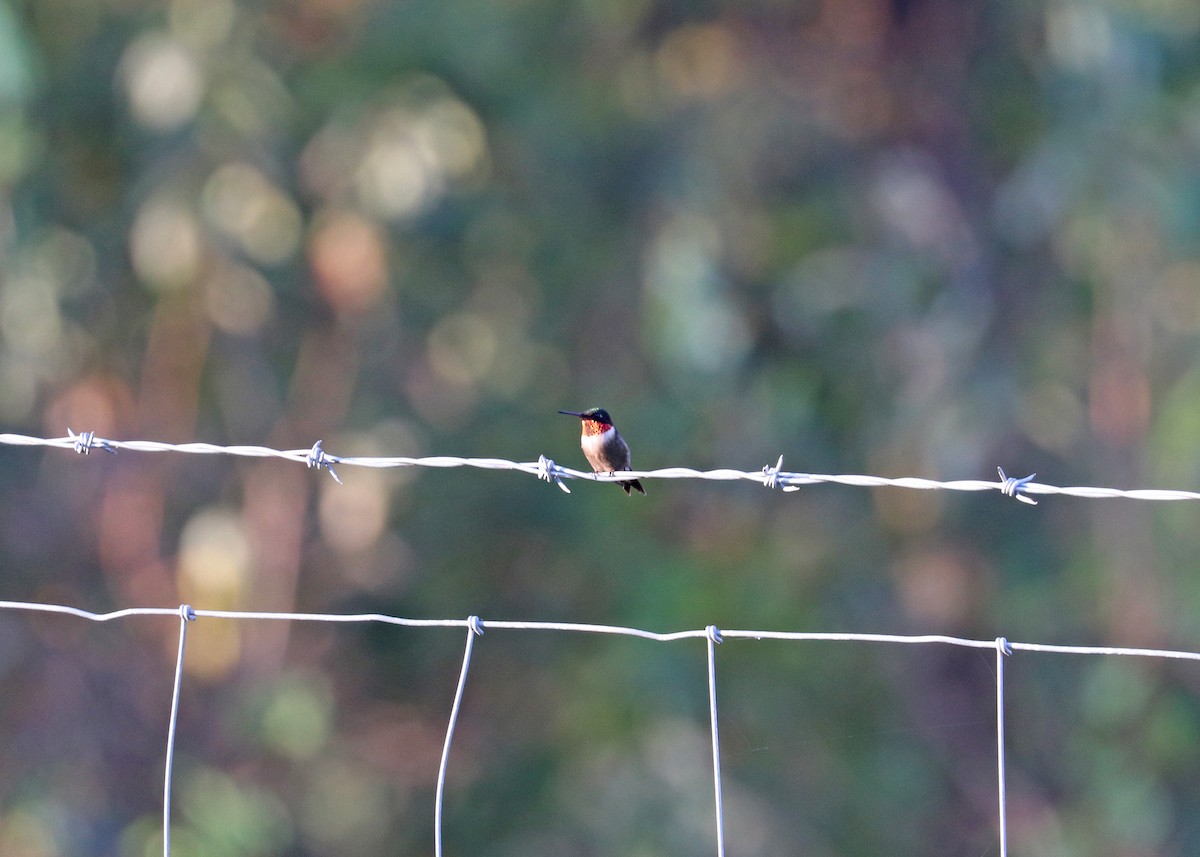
(713, 636)
(474, 629)
(186, 614)
(1003, 650)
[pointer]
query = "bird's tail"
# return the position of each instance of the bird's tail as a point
(631, 485)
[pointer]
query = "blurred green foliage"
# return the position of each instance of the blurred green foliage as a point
(904, 237)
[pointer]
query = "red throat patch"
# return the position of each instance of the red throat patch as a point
(591, 427)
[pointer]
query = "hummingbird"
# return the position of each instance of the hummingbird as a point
(603, 446)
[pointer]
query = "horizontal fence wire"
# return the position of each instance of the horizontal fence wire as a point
(770, 476)
(475, 627)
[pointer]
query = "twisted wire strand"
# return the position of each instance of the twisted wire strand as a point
(770, 476)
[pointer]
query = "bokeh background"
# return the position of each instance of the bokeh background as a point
(898, 237)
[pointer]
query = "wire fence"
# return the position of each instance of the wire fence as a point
(771, 475)
(475, 628)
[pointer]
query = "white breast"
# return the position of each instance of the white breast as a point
(593, 449)
(593, 444)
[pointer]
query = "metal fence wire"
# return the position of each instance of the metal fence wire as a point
(770, 476)
(475, 628)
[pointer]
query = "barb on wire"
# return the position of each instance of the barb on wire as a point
(1012, 487)
(318, 458)
(546, 469)
(771, 477)
(86, 440)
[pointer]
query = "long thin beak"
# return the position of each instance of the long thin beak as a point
(571, 413)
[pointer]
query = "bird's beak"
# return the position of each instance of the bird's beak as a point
(571, 413)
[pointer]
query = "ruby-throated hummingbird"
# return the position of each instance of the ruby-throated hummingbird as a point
(603, 446)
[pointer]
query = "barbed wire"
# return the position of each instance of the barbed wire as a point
(475, 627)
(770, 476)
